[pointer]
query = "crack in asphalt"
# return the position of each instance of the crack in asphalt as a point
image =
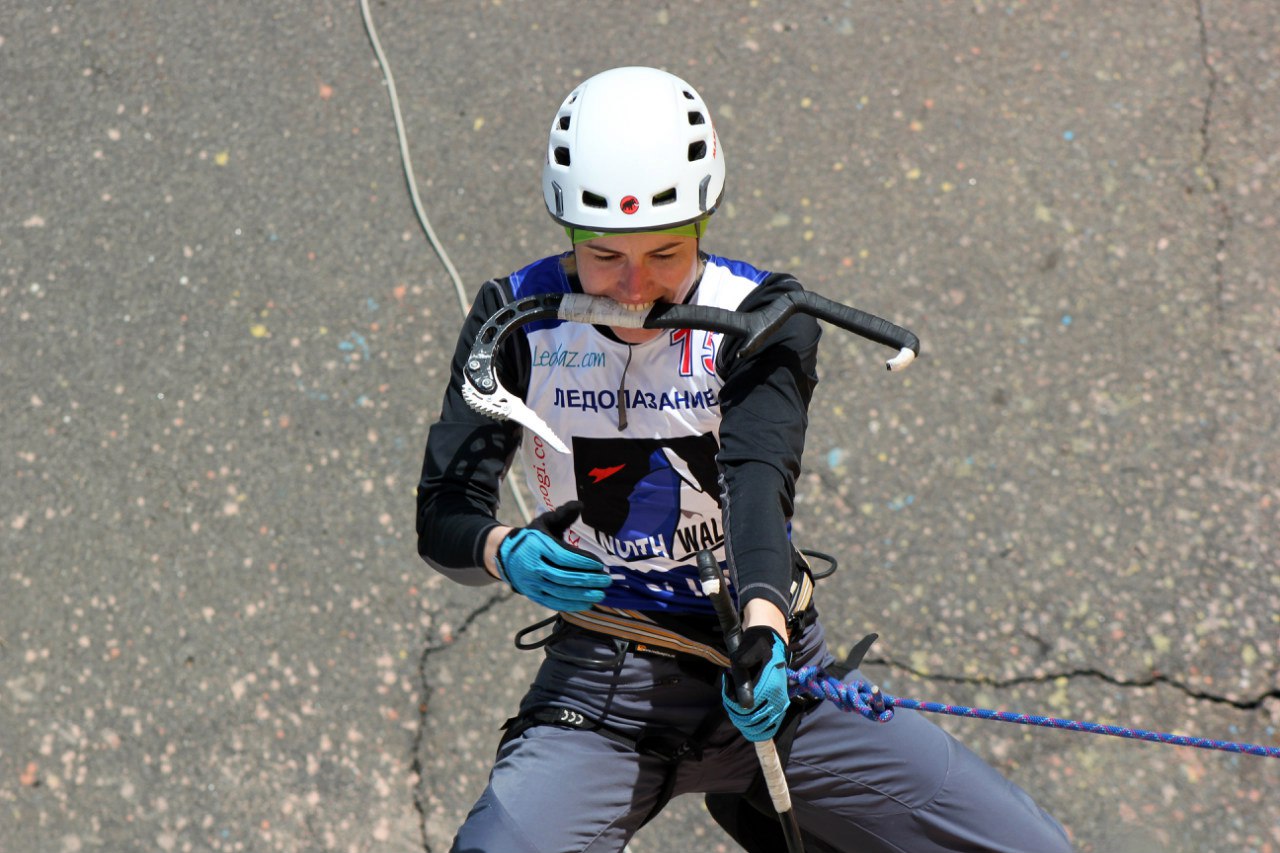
(1206, 141)
(1204, 166)
(1156, 679)
(424, 707)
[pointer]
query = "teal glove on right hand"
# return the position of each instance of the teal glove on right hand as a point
(537, 563)
(762, 657)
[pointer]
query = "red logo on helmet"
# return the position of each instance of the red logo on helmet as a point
(629, 205)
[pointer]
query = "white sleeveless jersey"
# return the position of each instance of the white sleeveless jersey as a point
(650, 492)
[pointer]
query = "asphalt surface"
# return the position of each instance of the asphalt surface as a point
(223, 336)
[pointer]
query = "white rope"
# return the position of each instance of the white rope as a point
(407, 163)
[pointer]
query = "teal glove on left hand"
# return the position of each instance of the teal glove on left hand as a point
(762, 656)
(537, 563)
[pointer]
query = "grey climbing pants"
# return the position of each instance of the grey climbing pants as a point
(905, 785)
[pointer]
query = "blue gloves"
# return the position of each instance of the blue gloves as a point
(538, 564)
(762, 657)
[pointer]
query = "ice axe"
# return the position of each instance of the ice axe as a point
(713, 587)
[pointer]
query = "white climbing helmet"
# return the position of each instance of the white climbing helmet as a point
(632, 149)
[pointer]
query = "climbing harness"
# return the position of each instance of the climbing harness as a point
(485, 394)
(869, 701)
(701, 652)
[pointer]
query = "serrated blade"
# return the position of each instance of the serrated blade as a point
(502, 405)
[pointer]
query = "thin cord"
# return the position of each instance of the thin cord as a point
(407, 162)
(418, 209)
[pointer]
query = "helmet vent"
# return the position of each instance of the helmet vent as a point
(563, 122)
(697, 150)
(664, 197)
(590, 199)
(689, 95)
(696, 117)
(562, 155)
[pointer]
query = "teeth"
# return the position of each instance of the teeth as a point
(642, 307)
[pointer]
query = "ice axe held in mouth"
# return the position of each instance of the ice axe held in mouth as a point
(485, 394)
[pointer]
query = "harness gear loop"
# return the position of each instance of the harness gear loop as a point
(830, 560)
(549, 642)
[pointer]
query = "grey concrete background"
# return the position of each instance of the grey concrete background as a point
(223, 336)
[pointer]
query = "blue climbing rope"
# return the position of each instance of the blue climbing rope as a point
(875, 705)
